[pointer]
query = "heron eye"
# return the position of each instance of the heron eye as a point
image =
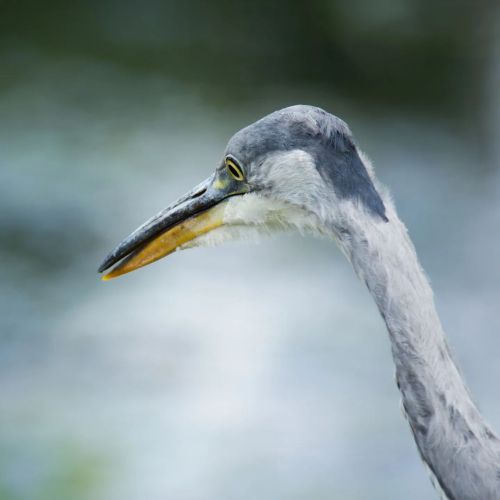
(234, 169)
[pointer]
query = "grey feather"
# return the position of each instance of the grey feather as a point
(302, 169)
(453, 439)
(324, 136)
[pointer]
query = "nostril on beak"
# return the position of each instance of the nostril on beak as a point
(200, 192)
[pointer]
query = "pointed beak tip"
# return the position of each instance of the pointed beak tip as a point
(114, 273)
(105, 264)
(193, 215)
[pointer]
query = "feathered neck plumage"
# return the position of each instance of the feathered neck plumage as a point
(451, 435)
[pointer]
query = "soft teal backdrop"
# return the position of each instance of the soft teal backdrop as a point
(241, 372)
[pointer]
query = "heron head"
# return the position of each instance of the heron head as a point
(291, 169)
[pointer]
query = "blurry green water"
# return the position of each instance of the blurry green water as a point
(242, 371)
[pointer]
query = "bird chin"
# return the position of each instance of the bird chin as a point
(223, 234)
(252, 216)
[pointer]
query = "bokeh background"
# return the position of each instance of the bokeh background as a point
(241, 372)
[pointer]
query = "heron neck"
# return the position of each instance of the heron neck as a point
(450, 433)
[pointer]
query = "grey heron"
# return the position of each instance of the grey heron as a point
(299, 168)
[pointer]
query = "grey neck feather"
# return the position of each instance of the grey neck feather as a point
(451, 435)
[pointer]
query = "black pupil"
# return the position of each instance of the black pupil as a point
(236, 173)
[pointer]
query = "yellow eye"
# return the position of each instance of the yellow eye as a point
(234, 169)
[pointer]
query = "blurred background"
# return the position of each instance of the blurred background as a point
(136, 388)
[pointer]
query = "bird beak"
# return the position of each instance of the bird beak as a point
(197, 212)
